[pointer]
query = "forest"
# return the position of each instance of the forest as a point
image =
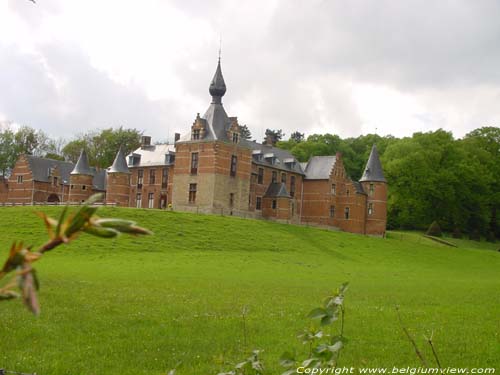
(431, 176)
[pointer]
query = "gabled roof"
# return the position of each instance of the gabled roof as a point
(373, 170)
(277, 190)
(82, 165)
(40, 168)
(120, 164)
(319, 167)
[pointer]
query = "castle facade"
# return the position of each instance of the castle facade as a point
(212, 169)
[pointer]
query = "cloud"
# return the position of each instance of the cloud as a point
(317, 66)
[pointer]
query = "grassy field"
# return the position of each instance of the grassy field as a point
(145, 305)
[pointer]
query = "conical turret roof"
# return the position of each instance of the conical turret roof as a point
(120, 163)
(82, 165)
(217, 87)
(373, 170)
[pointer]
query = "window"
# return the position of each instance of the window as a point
(192, 193)
(275, 177)
(234, 161)
(236, 137)
(151, 200)
(283, 178)
(72, 187)
(19, 179)
(334, 189)
(347, 192)
(370, 208)
(152, 176)
(260, 178)
(194, 163)
(164, 178)
(258, 203)
(140, 175)
(138, 200)
(292, 186)
(274, 204)
(346, 213)
(84, 187)
(372, 189)
(332, 211)
(55, 181)
(231, 199)
(195, 134)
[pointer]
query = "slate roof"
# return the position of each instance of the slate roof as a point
(152, 155)
(277, 190)
(280, 155)
(119, 164)
(358, 187)
(373, 170)
(40, 168)
(319, 167)
(82, 165)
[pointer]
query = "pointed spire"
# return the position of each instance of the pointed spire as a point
(373, 170)
(82, 165)
(120, 163)
(217, 87)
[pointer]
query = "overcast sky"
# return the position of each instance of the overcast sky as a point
(343, 67)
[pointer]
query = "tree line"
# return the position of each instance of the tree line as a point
(431, 176)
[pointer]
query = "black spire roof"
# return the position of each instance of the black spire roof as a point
(82, 165)
(373, 170)
(120, 164)
(217, 87)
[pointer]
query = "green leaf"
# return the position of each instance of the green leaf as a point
(287, 360)
(317, 313)
(101, 232)
(329, 319)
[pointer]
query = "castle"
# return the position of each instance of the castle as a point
(212, 169)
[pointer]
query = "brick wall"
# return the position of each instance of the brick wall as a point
(153, 192)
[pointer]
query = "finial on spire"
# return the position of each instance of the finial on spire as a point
(220, 47)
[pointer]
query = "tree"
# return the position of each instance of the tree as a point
(8, 154)
(101, 146)
(274, 136)
(297, 137)
(245, 132)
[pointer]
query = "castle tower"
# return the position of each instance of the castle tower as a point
(213, 165)
(81, 180)
(375, 185)
(118, 181)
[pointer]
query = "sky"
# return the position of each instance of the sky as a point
(318, 66)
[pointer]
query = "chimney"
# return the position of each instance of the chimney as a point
(145, 141)
(177, 136)
(269, 140)
(338, 155)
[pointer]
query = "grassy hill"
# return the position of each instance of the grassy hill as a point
(144, 305)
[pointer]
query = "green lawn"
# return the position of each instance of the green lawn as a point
(144, 305)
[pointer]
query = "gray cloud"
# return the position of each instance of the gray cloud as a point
(60, 92)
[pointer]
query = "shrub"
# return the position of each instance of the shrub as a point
(475, 235)
(490, 237)
(434, 230)
(456, 233)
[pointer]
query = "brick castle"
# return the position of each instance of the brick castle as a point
(212, 169)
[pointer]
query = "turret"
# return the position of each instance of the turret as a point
(118, 181)
(81, 180)
(375, 186)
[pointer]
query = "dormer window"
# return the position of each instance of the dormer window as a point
(195, 134)
(236, 137)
